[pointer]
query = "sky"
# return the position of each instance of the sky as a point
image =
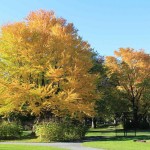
(106, 24)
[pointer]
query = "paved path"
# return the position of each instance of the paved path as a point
(67, 145)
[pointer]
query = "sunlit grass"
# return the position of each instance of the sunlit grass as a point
(119, 145)
(26, 147)
(108, 140)
(115, 131)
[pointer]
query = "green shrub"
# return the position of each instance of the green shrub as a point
(49, 131)
(10, 130)
(53, 131)
(74, 132)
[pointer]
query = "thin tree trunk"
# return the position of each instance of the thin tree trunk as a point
(135, 113)
(94, 122)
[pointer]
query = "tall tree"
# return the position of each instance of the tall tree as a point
(45, 66)
(107, 103)
(131, 70)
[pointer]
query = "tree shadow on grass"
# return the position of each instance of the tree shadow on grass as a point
(115, 136)
(108, 131)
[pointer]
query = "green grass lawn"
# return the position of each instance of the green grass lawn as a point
(25, 147)
(111, 132)
(107, 139)
(119, 145)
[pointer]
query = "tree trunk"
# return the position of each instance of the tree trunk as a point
(94, 122)
(135, 113)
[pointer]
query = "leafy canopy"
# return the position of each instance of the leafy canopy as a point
(44, 66)
(131, 71)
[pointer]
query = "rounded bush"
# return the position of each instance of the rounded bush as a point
(10, 130)
(53, 131)
(49, 131)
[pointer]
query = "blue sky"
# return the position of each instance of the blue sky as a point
(106, 24)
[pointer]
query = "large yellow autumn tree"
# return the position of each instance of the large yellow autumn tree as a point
(131, 71)
(44, 66)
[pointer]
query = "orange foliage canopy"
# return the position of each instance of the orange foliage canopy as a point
(44, 66)
(132, 71)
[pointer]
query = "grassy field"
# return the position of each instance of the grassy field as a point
(25, 147)
(111, 132)
(99, 138)
(106, 139)
(119, 145)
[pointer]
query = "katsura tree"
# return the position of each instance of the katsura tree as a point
(45, 67)
(131, 71)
